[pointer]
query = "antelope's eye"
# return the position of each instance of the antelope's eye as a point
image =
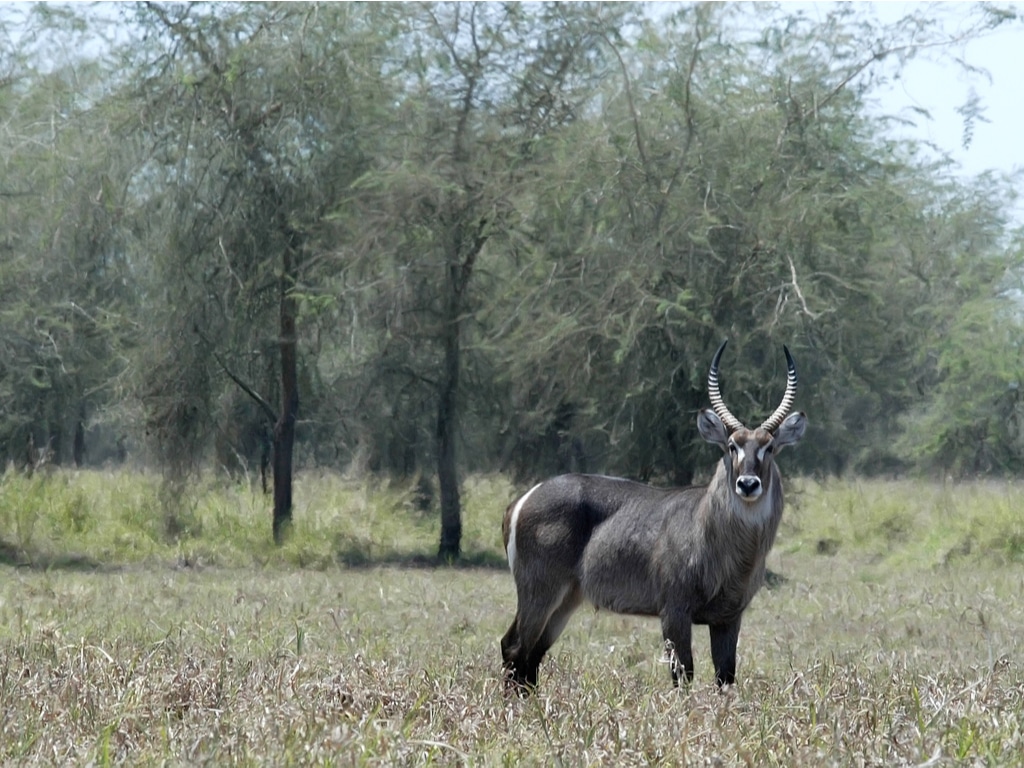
(733, 448)
(768, 449)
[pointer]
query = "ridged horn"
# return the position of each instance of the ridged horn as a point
(731, 422)
(774, 421)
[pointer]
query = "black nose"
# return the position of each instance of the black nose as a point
(748, 484)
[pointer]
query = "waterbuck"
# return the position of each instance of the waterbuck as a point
(688, 556)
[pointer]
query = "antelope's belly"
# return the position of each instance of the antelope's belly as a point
(620, 581)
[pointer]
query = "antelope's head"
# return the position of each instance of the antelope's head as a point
(750, 452)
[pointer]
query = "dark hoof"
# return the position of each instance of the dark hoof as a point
(518, 685)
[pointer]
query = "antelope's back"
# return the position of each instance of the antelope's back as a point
(557, 520)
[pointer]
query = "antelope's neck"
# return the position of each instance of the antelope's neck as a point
(724, 511)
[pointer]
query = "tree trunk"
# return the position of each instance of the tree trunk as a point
(447, 423)
(284, 429)
(78, 447)
(464, 248)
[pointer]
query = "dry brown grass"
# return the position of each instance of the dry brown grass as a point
(400, 667)
(898, 644)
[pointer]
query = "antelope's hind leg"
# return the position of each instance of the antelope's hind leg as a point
(536, 627)
(510, 650)
(556, 624)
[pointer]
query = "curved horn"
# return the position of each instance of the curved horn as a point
(731, 422)
(774, 421)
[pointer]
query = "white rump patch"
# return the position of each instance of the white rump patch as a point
(511, 550)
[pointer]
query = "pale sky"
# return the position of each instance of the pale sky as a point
(996, 145)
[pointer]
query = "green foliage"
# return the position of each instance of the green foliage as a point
(67, 304)
(974, 422)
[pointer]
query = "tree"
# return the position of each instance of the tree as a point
(65, 284)
(967, 417)
(488, 87)
(252, 120)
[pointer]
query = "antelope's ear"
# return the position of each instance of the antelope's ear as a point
(711, 428)
(791, 430)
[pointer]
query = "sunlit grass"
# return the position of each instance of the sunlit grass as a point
(116, 518)
(907, 523)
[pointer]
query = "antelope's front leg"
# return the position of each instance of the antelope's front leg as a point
(724, 638)
(677, 629)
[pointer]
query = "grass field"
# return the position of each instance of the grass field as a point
(890, 635)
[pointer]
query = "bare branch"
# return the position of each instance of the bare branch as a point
(629, 100)
(799, 293)
(267, 408)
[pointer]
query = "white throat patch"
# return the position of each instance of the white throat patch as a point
(753, 513)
